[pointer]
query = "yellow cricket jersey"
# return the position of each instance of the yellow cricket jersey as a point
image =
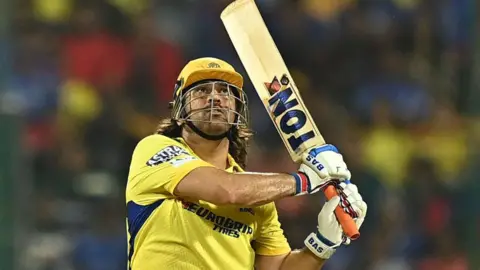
(167, 232)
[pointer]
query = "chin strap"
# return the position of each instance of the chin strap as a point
(207, 136)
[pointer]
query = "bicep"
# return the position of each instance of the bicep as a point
(263, 262)
(204, 183)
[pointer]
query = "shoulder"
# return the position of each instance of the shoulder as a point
(157, 142)
(158, 148)
(157, 139)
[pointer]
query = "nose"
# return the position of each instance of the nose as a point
(214, 98)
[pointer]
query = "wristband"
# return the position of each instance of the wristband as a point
(302, 183)
(320, 246)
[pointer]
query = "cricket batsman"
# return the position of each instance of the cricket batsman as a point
(191, 205)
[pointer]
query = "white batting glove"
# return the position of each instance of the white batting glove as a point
(352, 202)
(329, 235)
(320, 166)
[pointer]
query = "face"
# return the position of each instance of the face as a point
(211, 106)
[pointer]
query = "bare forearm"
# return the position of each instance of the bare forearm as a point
(302, 259)
(246, 189)
(260, 188)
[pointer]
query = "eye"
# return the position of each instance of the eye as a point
(224, 90)
(201, 90)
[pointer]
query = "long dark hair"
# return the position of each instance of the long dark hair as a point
(239, 138)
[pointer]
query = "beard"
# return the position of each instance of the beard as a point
(211, 121)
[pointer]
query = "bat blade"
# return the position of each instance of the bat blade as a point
(271, 77)
(276, 88)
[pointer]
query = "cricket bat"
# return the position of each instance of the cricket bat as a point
(276, 88)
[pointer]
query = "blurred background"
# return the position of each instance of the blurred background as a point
(393, 83)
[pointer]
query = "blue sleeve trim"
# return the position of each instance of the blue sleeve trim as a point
(136, 217)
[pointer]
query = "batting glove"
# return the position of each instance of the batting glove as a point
(329, 235)
(320, 166)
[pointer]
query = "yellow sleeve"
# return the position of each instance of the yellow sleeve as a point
(158, 164)
(270, 240)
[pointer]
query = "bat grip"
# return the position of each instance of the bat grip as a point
(348, 224)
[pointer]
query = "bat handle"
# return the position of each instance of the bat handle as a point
(348, 224)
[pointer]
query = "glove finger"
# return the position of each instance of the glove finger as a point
(353, 188)
(364, 207)
(341, 173)
(350, 192)
(330, 206)
(339, 169)
(360, 207)
(352, 203)
(359, 222)
(348, 188)
(348, 208)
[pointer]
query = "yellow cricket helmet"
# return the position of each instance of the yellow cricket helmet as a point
(209, 72)
(207, 68)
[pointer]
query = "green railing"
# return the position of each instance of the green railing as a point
(9, 131)
(9, 161)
